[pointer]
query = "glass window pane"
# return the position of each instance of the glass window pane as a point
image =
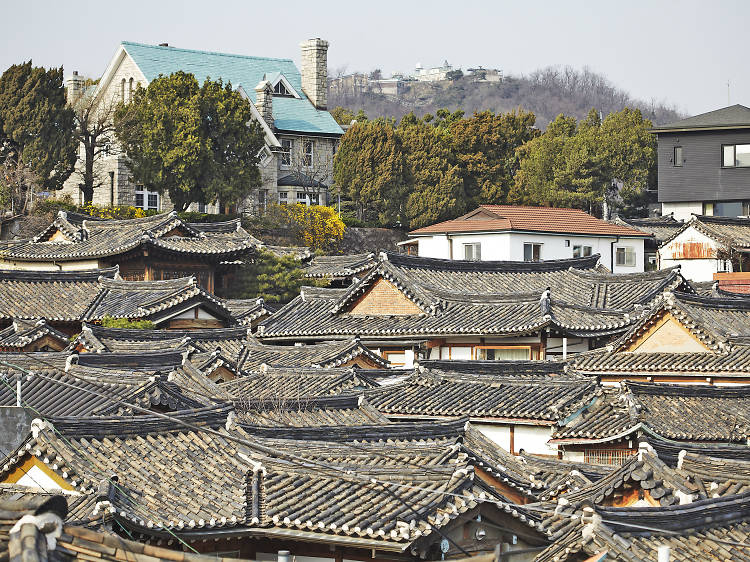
(727, 155)
(139, 200)
(728, 208)
(576, 251)
(537, 252)
(153, 200)
(468, 252)
(586, 251)
(677, 156)
(527, 252)
(512, 353)
(742, 155)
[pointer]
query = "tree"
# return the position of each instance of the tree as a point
(316, 226)
(195, 143)
(344, 116)
(369, 168)
(95, 134)
(36, 132)
(274, 278)
(111, 322)
(485, 147)
(436, 189)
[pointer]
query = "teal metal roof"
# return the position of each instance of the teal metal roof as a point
(289, 114)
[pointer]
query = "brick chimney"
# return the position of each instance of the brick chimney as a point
(76, 86)
(264, 101)
(315, 71)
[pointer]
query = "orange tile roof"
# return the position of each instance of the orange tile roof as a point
(494, 218)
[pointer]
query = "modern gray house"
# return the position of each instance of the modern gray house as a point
(704, 164)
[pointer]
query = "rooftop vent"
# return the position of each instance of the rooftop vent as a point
(163, 44)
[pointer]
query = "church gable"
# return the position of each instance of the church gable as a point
(384, 299)
(668, 335)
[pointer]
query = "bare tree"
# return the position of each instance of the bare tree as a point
(95, 132)
(17, 185)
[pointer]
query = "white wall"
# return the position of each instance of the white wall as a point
(695, 269)
(530, 438)
(49, 266)
(682, 210)
(509, 246)
(500, 434)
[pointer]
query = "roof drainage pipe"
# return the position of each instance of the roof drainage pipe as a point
(612, 254)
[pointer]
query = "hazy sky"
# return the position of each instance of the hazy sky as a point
(680, 52)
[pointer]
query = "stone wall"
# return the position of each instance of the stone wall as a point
(15, 424)
(315, 71)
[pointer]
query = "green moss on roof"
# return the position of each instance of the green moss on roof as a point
(290, 114)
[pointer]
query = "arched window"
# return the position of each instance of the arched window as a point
(130, 90)
(122, 90)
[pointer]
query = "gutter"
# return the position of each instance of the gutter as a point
(612, 254)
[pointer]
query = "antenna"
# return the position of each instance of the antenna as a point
(728, 102)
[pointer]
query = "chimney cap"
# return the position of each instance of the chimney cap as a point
(163, 44)
(75, 73)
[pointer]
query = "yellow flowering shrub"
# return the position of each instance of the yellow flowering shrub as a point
(319, 227)
(123, 212)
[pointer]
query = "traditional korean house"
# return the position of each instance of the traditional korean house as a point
(660, 229)
(514, 403)
(296, 385)
(607, 430)
(445, 309)
(250, 490)
(340, 271)
(249, 312)
(32, 528)
(709, 530)
(158, 247)
(680, 339)
(308, 412)
(66, 299)
(32, 335)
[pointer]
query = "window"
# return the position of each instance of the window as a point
(677, 160)
(122, 90)
(708, 209)
(608, 456)
(581, 251)
(302, 198)
(130, 90)
(473, 252)
(286, 152)
(283, 197)
(532, 252)
(735, 155)
(567, 243)
(146, 199)
(280, 90)
(307, 153)
(264, 156)
(625, 256)
(314, 198)
(395, 358)
(505, 352)
(201, 207)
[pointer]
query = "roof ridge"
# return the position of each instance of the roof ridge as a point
(232, 55)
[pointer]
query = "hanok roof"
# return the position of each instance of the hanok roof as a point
(22, 333)
(717, 322)
(31, 528)
(676, 412)
(339, 267)
(74, 296)
(221, 479)
(248, 311)
(661, 228)
(733, 117)
(297, 383)
(503, 218)
(292, 114)
(99, 339)
(74, 237)
(327, 355)
(429, 393)
(55, 385)
(703, 530)
(458, 297)
(730, 231)
(306, 412)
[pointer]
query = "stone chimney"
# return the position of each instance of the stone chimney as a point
(264, 101)
(315, 71)
(76, 85)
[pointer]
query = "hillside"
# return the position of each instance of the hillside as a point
(547, 92)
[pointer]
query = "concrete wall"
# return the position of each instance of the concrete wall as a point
(682, 210)
(15, 424)
(695, 253)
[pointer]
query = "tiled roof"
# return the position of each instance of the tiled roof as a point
(477, 298)
(289, 113)
(31, 529)
(22, 333)
(661, 228)
(727, 117)
(98, 339)
(339, 267)
(670, 450)
(328, 354)
(294, 383)
(703, 530)
(501, 218)
(307, 412)
(718, 322)
(676, 412)
(445, 394)
(90, 295)
(247, 311)
(91, 238)
(216, 483)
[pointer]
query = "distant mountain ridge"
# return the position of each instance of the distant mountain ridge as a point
(547, 92)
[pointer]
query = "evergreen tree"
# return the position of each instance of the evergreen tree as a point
(275, 279)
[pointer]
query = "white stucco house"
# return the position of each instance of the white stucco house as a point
(519, 233)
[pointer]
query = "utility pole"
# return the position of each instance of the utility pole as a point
(728, 102)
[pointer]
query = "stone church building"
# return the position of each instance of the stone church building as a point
(296, 162)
